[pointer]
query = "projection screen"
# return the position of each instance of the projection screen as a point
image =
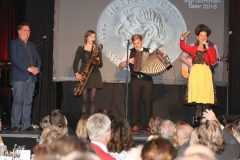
(160, 22)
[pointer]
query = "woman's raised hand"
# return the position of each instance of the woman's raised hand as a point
(184, 35)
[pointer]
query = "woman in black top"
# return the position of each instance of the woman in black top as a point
(95, 80)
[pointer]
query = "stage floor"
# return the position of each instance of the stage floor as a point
(27, 138)
(30, 138)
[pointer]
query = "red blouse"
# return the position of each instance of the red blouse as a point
(210, 57)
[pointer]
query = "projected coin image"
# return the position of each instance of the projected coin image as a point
(159, 22)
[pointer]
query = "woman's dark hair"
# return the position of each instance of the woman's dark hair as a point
(121, 136)
(202, 27)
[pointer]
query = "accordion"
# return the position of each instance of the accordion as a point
(152, 64)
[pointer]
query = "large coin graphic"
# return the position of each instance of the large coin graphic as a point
(158, 21)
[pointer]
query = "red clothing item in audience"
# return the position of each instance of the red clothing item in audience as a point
(103, 155)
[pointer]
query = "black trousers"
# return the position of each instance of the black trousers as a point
(142, 90)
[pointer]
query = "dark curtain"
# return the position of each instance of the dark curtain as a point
(40, 16)
(11, 14)
(234, 61)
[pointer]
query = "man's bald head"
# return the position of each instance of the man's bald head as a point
(184, 132)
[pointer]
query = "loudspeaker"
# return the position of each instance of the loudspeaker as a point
(72, 118)
(225, 119)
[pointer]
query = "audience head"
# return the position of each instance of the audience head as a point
(197, 156)
(158, 149)
(135, 153)
(194, 137)
(103, 111)
(229, 127)
(81, 129)
(199, 149)
(166, 129)
(57, 118)
(236, 123)
(184, 132)
(99, 128)
(210, 134)
(155, 124)
(174, 140)
(53, 133)
(71, 148)
(44, 123)
(121, 136)
(237, 134)
(111, 117)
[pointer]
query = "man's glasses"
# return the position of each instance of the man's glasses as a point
(26, 30)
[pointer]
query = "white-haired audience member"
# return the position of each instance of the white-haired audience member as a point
(99, 132)
(196, 156)
(213, 135)
(167, 129)
(184, 132)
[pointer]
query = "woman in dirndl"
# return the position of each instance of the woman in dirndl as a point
(200, 90)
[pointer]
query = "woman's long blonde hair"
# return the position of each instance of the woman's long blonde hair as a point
(81, 129)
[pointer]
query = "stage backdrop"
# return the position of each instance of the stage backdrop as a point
(160, 22)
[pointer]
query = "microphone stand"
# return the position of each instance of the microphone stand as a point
(128, 44)
(227, 79)
(38, 48)
(41, 45)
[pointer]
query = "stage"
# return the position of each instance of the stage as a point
(27, 138)
(30, 138)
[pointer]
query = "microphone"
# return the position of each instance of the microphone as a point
(128, 41)
(44, 38)
(42, 44)
(204, 46)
